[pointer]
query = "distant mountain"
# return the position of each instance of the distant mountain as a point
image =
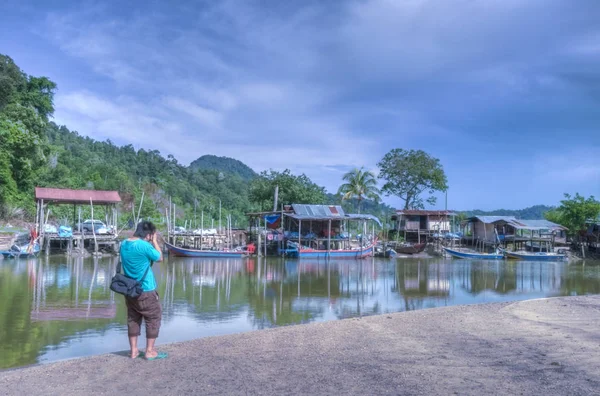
(531, 213)
(225, 165)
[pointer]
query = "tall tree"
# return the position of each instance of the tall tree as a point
(575, 212)
(410, 173)
(292, 189)
(359, 184)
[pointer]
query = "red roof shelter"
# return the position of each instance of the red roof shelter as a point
(67, 196)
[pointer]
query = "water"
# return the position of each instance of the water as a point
(58, 307)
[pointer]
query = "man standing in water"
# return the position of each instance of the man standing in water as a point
(137, 256)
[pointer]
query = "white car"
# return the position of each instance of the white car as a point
(99, 227)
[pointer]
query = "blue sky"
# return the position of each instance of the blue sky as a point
(506, 93)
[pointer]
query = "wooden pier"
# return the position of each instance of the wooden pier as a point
(77, 240)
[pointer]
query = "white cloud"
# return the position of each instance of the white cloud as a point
(321, 87)
(206, 116)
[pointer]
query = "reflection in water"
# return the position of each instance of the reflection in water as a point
(62, 307)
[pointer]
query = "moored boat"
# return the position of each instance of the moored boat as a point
(385, 253)
(411, 249)
(539, 256)
(23, 251)
(294, 250)
(474, 255)
(185, 252)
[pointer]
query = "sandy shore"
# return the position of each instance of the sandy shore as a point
(548, 346)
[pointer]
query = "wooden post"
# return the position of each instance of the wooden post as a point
(266, 239)
(329, 239)
(41, 224)
(282, 234)
(82, 240)
(299, 234)
(168, 228)
(201, 229)
(348, 231)
(93, 227)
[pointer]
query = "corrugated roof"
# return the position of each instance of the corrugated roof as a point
(536, 225)
(67, 196)
(326, 212)
(491, 219)
(415, 212)
(317, 211)
(365, 217)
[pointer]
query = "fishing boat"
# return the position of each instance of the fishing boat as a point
(294, 250)
(411, 249)
(385, 252)
(499, 255)
(23, 251)
(533, 256)
(185, 252)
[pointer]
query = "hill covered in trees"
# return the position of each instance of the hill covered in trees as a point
(224, 164)
(531, 213)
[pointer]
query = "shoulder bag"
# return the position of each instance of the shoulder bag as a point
(127, 286)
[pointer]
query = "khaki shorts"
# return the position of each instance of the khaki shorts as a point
(147, 307)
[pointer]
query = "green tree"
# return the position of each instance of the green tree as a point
(359, 184)
(575, 212)
(410, 173)
(21, 159)
(292, 189)
(12, 81)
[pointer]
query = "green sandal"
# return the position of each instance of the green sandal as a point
(161, 355)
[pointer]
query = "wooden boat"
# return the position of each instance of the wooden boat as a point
(474, 255)
(540, 256)
(295, 251)
(387, 253)
(184, 252)
(411, 249)
(23, 251)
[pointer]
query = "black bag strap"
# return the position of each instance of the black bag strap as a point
(119, 268)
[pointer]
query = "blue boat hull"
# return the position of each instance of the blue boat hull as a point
(23, 252)
(182, 252)
(345, 254)
(536, 256)
(475, 256)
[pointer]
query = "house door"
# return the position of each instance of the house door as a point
(423, 222)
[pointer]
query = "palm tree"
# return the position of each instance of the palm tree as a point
(359, 184)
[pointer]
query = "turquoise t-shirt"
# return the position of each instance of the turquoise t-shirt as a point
(135, 258)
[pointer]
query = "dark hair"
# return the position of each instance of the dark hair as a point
(144, 228)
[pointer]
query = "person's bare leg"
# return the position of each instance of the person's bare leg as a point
(134, 349)
(150, 352)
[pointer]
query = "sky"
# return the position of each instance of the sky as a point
(506, 93)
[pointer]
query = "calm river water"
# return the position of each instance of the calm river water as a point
(58, 307)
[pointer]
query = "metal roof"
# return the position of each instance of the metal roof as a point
(519, 224)
(411, 212)
(491, 219)
(536, 225)
(67, 196)
(365, 217)
(314, 211)
(326, 212)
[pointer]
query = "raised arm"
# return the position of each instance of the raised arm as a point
(157, 255)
